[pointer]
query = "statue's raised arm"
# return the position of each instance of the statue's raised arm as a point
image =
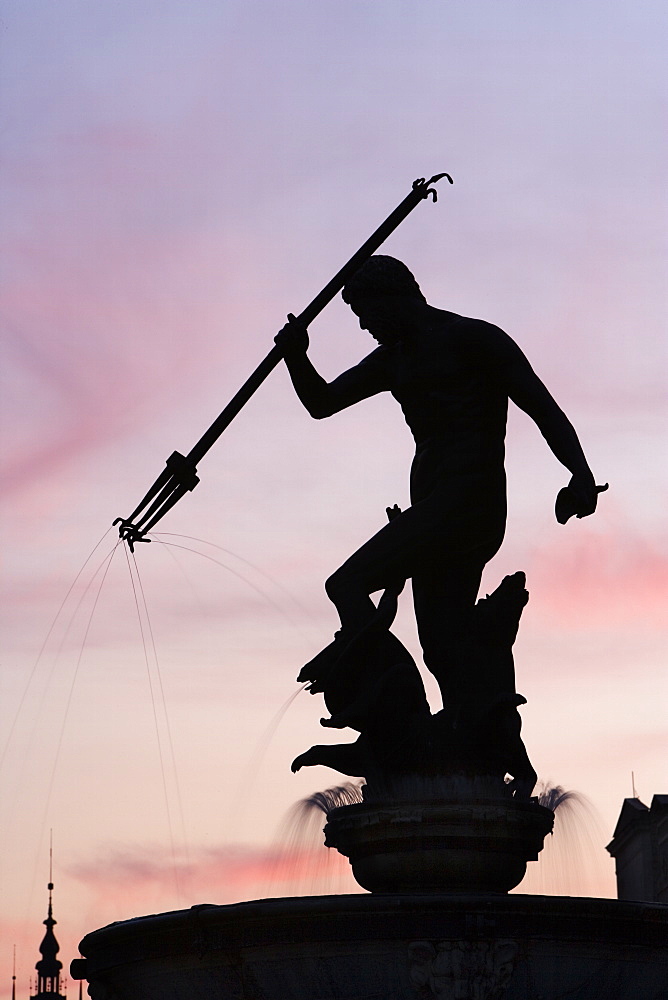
(321, 398)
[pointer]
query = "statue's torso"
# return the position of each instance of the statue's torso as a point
(454, 401)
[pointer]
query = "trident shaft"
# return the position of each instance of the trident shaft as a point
(180, 473)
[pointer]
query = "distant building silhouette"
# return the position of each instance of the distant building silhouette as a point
(49, 985)
(49, 966)
(640, 848)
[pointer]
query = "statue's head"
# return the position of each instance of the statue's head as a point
(383, 294)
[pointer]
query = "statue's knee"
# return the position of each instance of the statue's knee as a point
(336, 586)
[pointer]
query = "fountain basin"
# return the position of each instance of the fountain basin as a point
(439, 846)
(390, 947)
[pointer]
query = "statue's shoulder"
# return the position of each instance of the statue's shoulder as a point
(476, 327)
(479, 342)
(465, 325)
(471, 330)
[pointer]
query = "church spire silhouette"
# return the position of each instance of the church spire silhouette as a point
(49, 966)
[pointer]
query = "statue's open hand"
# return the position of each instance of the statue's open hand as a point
(579, 498)
(292, 338)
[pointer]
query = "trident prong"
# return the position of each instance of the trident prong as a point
(130, 533)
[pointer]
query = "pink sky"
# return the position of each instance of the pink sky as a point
(176, 178)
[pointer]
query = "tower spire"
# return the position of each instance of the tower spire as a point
(14, 975)
(49, 966)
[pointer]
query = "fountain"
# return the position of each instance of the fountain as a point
(445, 823)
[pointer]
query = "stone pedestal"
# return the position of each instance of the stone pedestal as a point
(422, 846)
(385, 947)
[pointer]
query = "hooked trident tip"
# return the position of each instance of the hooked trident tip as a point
(423, 186)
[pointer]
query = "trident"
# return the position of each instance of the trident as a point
(180, 473)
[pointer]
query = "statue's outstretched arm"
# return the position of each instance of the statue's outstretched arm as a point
(322, 398)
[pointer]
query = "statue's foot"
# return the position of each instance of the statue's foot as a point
(297, 763)
(333, 723)
(306, 759)
(523, 785)
(348, 758)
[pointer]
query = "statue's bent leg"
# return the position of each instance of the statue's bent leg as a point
(384, 562)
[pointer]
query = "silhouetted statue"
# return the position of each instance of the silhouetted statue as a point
(453, 378)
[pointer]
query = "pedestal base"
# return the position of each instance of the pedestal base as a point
(389, 947)
(422, 846)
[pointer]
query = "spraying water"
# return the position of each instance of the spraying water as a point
(573, 861)
(303, 865)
